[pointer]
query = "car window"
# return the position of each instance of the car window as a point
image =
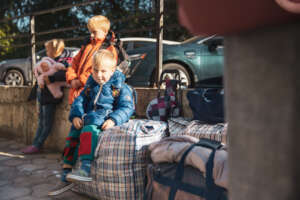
(214, 44)
(74, 53)
(142, 44)
(195, 39)
(40, 54)
(128, 45)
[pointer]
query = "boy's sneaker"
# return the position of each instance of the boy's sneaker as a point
(61, 187)
(30, 150)
(79, 175)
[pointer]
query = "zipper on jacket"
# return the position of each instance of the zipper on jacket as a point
(97, 97)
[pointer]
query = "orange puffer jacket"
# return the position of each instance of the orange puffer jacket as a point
(81, 66)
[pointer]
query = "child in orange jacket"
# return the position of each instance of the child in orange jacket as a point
(81, 67)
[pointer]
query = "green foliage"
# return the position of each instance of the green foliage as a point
(127, 17)
(5, 43)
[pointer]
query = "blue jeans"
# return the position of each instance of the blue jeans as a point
(46, 119)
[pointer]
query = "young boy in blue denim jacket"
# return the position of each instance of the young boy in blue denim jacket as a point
(106, 101)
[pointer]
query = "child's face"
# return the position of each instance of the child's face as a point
(102, 73)
(44, 66)
(99, 34)
(49, 52)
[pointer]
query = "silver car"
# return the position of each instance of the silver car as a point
(17, 72)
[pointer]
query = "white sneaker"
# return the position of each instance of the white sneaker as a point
(60, 188)
(78, 175)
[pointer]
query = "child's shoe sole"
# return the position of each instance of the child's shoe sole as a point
(60, 188)
(74, 178)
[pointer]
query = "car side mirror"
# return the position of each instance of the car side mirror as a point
(212, 47)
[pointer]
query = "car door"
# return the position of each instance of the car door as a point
(211, 59)
(128, 45)
(136, 58)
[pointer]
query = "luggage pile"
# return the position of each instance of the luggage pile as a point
(121, 157)
(187, 168)
(197, 129)
(191, 164)
(169, 159)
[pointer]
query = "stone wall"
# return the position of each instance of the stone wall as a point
(18, 118)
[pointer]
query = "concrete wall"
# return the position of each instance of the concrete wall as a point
(18, 117)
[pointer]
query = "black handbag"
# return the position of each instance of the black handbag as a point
(207, 104)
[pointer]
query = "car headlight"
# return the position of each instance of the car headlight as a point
(2, 62)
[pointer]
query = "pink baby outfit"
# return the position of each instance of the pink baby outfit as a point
(54, 88)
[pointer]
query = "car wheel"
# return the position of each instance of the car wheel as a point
(14, 78)
(184, 74)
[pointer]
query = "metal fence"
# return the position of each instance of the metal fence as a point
(33, 43)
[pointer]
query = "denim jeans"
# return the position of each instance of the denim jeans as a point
(46, 119)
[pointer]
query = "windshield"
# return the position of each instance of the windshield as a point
(197, 39)
(41, 53)
(192, 39)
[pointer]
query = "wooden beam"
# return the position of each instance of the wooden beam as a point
(33, 47)
(159, 44)
(82, 37)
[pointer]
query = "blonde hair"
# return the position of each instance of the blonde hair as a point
(98, 22)
(104, 57)
(56, 46)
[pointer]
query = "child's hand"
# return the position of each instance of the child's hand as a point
(108, 124)
(41, 85)
(78, 123)
(46, 79)
(75, 83)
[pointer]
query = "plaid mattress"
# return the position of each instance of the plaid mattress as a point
(121, 158)
(181, 126)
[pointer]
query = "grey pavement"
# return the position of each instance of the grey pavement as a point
(30, 177)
